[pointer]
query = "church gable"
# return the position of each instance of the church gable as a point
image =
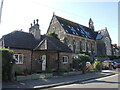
(56, 27)
(104, 34)
(106, 40)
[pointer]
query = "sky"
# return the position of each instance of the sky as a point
(19, 14)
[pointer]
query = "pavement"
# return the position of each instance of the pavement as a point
(56, 81)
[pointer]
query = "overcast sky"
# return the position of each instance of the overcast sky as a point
(18, 14)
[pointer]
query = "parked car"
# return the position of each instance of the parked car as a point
(106, 64)
(117, 63)
(114, 64)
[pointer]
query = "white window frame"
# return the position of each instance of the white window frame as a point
(18, 59)
(64, 62)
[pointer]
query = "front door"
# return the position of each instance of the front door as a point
(44, 62)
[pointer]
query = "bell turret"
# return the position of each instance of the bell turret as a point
(91, 26)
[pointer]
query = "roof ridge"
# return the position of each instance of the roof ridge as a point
(101, 30)
(17, 31)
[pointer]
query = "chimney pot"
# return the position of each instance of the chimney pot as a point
(37, 21)
(31, 24)
(34, 22)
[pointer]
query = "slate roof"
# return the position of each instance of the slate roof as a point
(102, 33)
(20, 39)
(99, 36)
(51, 44)
(24, 40)
(76, 29)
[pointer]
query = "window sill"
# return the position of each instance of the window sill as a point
(19, 63)
(65, 62)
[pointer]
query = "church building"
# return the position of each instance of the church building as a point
(80, 38)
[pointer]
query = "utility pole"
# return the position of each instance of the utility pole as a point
(1, 6)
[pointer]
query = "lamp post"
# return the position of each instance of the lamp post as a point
(1, 6)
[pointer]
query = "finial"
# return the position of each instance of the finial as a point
(34, 22)
(53, 13)
(37, 21)
(106, 28)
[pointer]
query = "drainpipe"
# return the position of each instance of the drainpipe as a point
(58, 62)
(31, 59)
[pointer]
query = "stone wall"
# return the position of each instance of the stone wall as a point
(26, 58)
(55, 26)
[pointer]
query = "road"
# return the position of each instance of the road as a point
(105, 82)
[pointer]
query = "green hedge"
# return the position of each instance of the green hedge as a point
(7, 62)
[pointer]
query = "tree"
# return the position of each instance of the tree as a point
(53, 34)
(83, 59)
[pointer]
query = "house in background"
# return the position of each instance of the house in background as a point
(115, 49)
(34, 51)
(81, 38)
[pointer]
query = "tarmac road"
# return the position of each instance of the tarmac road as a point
(105, 82)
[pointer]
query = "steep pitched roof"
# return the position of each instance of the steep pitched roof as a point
(76, 29)
(20, 39)
(51, 44)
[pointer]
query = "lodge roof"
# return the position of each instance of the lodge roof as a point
(24, 40)
(20, 39)
(51, 44)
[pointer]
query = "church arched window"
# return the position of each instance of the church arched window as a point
(74, 46)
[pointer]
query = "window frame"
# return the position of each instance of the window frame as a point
(18, 59)
(64, 61)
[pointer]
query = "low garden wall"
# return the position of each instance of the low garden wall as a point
(48, 75)
(34, 76)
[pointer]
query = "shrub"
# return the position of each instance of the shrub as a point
(18, 70)
(7, 62)
(90, 68)
(96, 65)
(114, 57)
(64, 70)
(83, 59)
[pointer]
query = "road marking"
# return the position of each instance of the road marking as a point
(84, 82)
(99, 78)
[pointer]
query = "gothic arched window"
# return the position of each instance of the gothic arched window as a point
(74, 46)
